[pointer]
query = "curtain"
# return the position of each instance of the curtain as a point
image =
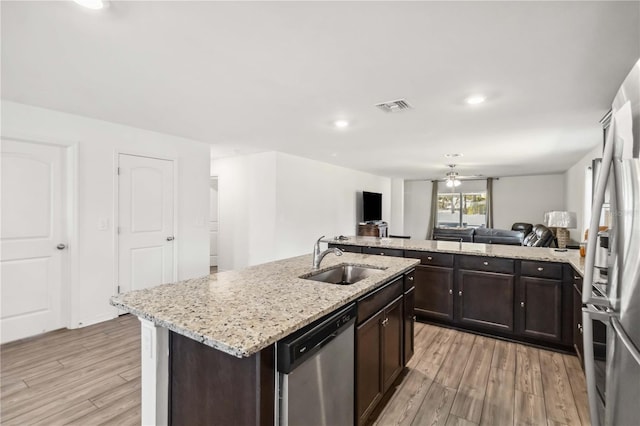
(433, 216)
(489, 216)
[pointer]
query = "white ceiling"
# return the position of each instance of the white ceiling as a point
(249, 77)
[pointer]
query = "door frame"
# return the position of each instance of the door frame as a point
(70, 261)
(116, 211)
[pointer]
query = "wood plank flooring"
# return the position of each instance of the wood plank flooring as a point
(91, 376)
(457, 378)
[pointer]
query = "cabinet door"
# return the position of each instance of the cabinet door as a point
(368, 365)
(485, 299)
(434, 292)
(392, 360)
(540, 308)
(409, 324)
(578, 344)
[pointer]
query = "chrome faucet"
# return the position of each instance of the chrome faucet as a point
(318, 255)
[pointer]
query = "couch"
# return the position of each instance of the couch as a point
(521, 234)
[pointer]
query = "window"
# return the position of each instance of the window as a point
(462, 209)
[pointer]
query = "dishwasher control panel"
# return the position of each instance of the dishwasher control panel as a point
(296, 348)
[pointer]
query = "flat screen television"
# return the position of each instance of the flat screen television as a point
(371, 206)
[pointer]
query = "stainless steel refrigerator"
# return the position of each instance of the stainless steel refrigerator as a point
(611, 294)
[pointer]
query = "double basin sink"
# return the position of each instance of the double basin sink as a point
(343, 274)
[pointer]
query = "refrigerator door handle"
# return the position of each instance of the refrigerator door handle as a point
(589, 314)
(624, 338)
(596, 211)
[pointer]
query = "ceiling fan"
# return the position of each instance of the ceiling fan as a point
(453, 179)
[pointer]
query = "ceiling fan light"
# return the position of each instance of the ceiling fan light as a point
(456, 182)
(449, 183)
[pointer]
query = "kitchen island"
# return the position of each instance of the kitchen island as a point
(208, 343)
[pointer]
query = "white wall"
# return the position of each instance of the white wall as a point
(417, 207)
(97, 143)
(315, 199)
(275, 205)
(526, 198)
(246, 205)
(577, 189)
(396, 221)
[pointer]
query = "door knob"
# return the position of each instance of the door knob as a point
(170, 238)
(410, 278)
(522, 304)
(450, 291)
(460, 293)
(61, 246)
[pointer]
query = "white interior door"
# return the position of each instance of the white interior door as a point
(145, 222)
(213, 222)
(31, 230)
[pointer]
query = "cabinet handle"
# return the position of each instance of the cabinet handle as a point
(575, 277)
(460, 293)
(580, 328)
(410, 278)
(429, 258)
(540, 268)
(450, 291)
(381, 253)
(522, 304)
(413, 318)
(385, 321)
(485, 263)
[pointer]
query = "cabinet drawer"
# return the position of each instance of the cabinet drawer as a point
(429, 258)
(541, 269)
(487, 264)
(347, 248)
(377, 300)
(409, 280)
(383, 251)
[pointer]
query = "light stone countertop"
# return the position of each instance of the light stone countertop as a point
(544, 254)
(242, 312)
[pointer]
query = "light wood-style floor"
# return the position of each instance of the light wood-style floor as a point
(91, 376)
(458, 378)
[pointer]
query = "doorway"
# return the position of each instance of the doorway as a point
(146, 234)
(32, 239)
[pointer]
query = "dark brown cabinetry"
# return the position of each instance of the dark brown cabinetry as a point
(379, 356)
(485, 300)
(539, 301)
(434, 285)
(434, 292)
(539, 308)
(382, 342)
(578, 344)
(347, 248)
(409, 314)
(383, 251)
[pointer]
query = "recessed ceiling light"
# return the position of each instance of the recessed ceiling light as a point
(454, 155)
(92, 4)
(341, 124)
(475, 99)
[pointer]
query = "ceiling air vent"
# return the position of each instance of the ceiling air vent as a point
(394, 106)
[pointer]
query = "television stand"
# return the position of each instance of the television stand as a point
(375, 229)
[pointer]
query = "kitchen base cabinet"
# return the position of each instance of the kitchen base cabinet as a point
(369, 352)
(378, 357)
(485, 300)
(539, 308)
(409, 324)
(434, 292)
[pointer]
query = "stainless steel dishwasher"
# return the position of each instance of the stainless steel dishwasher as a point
(316, 372)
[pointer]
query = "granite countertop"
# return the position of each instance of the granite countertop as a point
(544, 254)
(242, 312)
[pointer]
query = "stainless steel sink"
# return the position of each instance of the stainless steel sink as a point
(343, 274)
